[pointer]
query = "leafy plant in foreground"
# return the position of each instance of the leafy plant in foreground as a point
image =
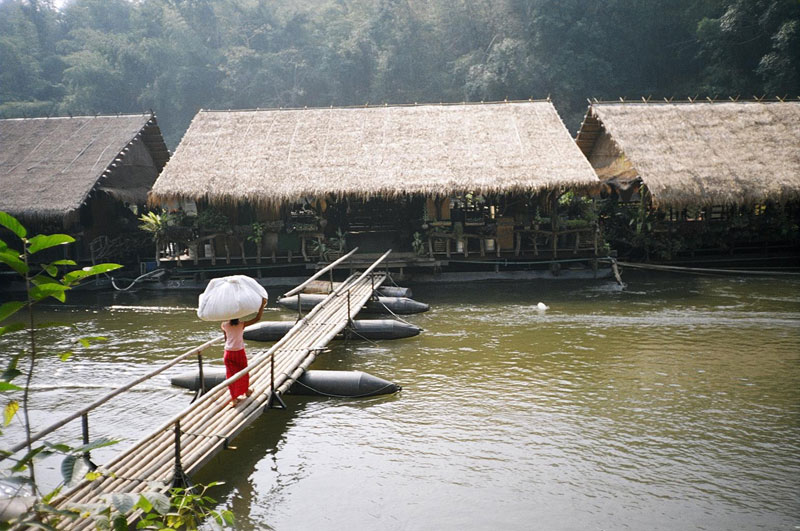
(182, 509)
(42, 281)
(187, 509)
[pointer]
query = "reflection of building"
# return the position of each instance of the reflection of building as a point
(690, 178)
(85, 176)
(431, 182)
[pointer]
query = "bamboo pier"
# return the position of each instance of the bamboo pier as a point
(185, 443)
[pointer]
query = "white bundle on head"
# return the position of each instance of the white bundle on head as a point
(230, 297)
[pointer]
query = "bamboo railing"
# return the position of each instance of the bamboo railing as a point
(186, 442)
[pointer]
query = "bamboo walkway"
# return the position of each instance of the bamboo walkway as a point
(189, 440)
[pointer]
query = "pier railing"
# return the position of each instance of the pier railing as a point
(184, 443)
(196, 351)
(84, 412)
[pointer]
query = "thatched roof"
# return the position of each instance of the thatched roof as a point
(272, 156)
(49, 166)
(699, 153)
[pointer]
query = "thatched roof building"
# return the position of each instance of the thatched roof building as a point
(698, 153)
(50, 166)
(272, 156)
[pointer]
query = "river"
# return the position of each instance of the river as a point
(671, 404)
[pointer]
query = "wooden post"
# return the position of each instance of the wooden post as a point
(241, 247)
(202, 383)
(85, 431)
(554, 223)
(299, 308)
(349, 320)
(273, 395)
(179, 478)
(555, 244)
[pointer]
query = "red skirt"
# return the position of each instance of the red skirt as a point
(235, 361)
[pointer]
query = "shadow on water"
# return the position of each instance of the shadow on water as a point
(255, 454)
(256, 446)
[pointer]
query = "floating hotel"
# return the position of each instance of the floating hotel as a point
(468, 189)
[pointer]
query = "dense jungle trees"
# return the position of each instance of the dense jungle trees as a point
(177, 56)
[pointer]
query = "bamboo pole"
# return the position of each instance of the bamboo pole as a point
(153, 458)
(111, 395)
(318, 274)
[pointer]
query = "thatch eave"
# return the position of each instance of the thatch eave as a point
(703, 153)
(52, 166)
(271, 201)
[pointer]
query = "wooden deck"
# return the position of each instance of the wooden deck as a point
(209, 424)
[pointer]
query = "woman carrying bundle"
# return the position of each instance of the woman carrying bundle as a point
(235, 358)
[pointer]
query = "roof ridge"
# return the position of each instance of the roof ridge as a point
(384, 105)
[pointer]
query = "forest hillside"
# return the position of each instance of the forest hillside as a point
(177, 56)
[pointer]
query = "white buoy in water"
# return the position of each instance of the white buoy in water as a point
(542, 306)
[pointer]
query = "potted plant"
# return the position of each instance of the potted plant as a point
(336, 245)
(156, 224)
(320, 248)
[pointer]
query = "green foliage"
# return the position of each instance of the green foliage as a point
(212, 220)
(10, 308)
(576, 206)
(751, 47)
(156, 223)
(12, 224)
(181, 508)
(42, 281)
(338, 242)
(642, 233)
(187, 509)
(320, 248)
(257, 232)
(178, 56)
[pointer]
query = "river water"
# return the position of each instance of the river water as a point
(671, 404)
